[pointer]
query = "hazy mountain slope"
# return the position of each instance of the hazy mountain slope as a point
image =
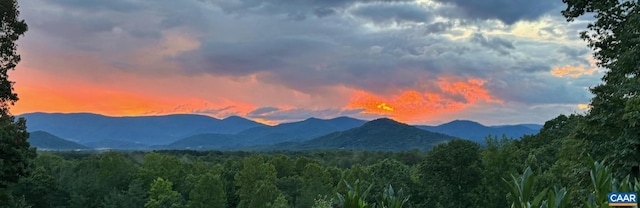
(46, 141)
(85, 127)
(204, 142)
(116, 144)
(477, 132)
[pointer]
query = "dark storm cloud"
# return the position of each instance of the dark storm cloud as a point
(507, 11)
(252, 56)
(497, 44)
(438, 27)
(393, 12)
(100, 5)
(323, 12)
(578, 54)
(301, 9)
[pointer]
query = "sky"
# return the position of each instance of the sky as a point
(415, 61)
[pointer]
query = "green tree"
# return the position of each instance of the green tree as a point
(85, 187)
(316, 182)
(611, 126)
(134, 197)
(162, 195)
(208, 191)
(323, 202)
(500, 158)
(291, 187)
(41, 189)
(12, 28)
(255, 183)
(15, 151)
(390, 172)
(284, 165)
(156, 165)
(280, 202)
(452, 171)
(116, 170)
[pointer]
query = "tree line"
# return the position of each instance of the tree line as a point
(459, 173)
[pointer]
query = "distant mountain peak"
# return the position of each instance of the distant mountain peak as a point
(385, 121)
(343, 117)
(313, 119)
(462, 122)
(234, 118)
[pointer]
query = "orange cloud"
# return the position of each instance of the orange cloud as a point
(114, 102)
(384, 106)
(413, 105)
(583, 106)
(122, 93)
(119, 94)
(569, 71)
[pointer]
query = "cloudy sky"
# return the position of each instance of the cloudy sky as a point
(416, 61)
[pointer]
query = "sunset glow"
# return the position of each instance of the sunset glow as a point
(569, 71)
(410, 105)
(272, 66)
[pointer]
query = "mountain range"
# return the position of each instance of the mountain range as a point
(150, 130)
(477, 132)
(185, 131)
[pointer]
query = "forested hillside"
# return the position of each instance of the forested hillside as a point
(458, 173)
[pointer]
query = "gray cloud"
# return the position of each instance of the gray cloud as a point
(270, 113)
(438, 27)
(261, 111)
(300, 9)
(393, 12)
(212, 110)
(330, 43)
(507, 11)
(99, 5)
(498, 44)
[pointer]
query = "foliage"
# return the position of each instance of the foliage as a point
(134, 197)
(459, 169)
(280, 202)
(392, 199)
(452, 171)
(611, 126)
(355, 196)
(521, 190)
(604, 182)
(40, 189)
(500, 158)
(207, 191)
(255, 183)
(15, 151)
(323, 202)
(162, 195)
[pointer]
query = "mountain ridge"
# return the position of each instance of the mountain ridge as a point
(134, 132)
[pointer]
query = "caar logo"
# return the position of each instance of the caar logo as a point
(627, 199)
